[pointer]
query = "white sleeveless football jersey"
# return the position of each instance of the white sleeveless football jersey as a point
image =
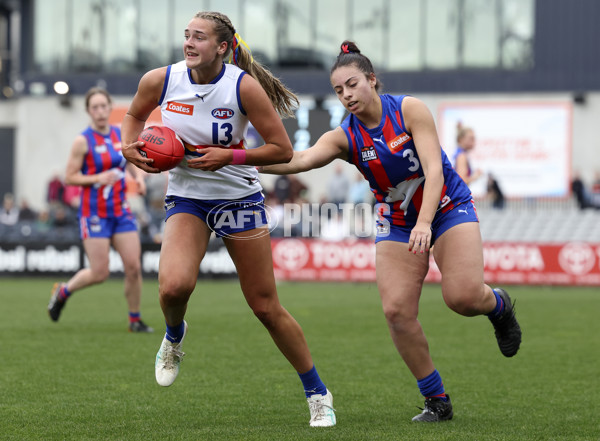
(207, 115)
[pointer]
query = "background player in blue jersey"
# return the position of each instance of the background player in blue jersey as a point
(393, 142)
(217, 185)
(96, 164)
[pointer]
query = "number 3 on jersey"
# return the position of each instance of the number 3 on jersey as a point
(222, 134)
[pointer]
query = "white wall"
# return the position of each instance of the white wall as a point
(45, 131)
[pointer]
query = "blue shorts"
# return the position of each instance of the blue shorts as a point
(222, 216)
(106, 227)
(442, 222)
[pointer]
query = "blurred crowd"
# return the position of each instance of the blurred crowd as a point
(291, 213)
(587, 196)
(57, 221)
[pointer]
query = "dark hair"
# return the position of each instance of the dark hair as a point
(283, 99)
(94, 91)
(350, 55)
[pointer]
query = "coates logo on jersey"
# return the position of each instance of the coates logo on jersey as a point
(222, 113)
(395, 145)
(183, 109)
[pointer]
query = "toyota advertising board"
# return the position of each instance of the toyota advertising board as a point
(305, 259)
(570, 263)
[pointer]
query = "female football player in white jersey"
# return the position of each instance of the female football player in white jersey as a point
(209, 103)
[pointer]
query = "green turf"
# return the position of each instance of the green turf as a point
(85, 378)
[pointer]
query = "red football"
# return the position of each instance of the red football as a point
(163, 145)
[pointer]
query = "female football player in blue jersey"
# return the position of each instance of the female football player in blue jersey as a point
(209, 104)
(421, 200)
(97, 165)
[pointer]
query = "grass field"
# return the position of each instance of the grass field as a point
(85, 378)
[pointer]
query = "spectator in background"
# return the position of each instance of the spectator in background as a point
(56, 189)
(465, 139)
(595, 191)
(494, 192)
(43, 223)
(289, 189)
(581, 192)
(337, 188)
(156, 189)
(60, 218)
(281, 189)
(297, 190)
(9, 214)
(26, 213)
(359, 190)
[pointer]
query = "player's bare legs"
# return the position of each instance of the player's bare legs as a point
(400, 276)
(254, 263)
(184, 245)
(129, 248)
(251, 253)
(400, 291)
(463, 287)
(97, 251)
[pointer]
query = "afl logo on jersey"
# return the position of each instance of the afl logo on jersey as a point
(222, 113)
(368, 153)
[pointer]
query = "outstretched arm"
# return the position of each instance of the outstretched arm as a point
(331, 145)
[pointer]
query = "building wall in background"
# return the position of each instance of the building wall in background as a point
(45, 131)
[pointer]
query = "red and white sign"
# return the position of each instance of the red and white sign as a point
(526, 146)
(570, 263)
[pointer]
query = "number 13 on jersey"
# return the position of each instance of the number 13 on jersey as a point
(221, 133)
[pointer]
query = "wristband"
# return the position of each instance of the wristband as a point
(239, 157)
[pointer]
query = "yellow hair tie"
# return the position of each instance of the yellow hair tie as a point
(237, 40)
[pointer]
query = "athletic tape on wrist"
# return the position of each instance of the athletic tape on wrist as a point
(239, 157)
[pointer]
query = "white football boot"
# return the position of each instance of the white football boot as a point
(322, 413)
(168, 358)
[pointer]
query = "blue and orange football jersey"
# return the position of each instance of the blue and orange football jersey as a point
(387, 158)
(104, 153)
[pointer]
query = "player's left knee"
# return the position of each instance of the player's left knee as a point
(464, 304)
(266, 312)
(133, 270)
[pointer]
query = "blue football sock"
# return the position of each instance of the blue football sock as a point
(175, 333)
(499, 309)
(432, 386)
(134, 317)
(312, 383)
(64, 293)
